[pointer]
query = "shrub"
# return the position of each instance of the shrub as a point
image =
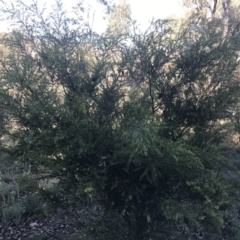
(145, 141)
(12, 213)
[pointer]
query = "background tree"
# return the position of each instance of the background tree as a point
(226, 10)
(119, 20)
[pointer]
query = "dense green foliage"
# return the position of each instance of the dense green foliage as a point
(139, 120)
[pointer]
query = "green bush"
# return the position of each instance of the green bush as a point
(12, 213)
(147, 142)
(32, 206)
(26, 182)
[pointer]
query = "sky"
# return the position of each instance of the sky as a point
(143, 11)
